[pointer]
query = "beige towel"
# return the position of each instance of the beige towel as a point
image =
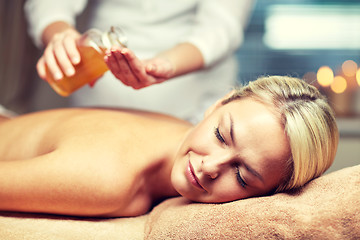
(326, 208)
(45, 227)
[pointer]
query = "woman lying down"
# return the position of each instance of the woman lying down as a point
(275, 134)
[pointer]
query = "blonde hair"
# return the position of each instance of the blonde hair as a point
(308, 122)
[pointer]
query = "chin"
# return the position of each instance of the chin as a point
(181, 185)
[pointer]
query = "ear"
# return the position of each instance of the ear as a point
(217, 104)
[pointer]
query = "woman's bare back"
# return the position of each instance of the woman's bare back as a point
(87, 161)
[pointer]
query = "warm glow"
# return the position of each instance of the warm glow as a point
(349, 68)
(339, 84)
(325, 76)
(358, 76)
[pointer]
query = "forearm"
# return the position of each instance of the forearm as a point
(51, 183)
(184, 57)
(218, 28)
(42, 13)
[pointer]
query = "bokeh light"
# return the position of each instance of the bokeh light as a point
(358, 76)
(339, 84)
(349, 68)
(325, 76)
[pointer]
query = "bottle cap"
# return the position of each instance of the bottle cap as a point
(114, 37)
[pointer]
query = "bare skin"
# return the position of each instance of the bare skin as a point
(111, 163)
(50, 162)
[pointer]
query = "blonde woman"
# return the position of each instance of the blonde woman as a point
(275, 134)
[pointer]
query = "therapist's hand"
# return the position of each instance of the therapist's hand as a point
(60, 54)
(136, 73)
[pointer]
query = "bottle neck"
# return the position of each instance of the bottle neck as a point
(102, 41)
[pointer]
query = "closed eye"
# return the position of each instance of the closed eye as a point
(239, 178)
(218, 136)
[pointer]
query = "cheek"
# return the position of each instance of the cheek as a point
(227, 189)
(178, 176)
(228, 195)
(201, 140)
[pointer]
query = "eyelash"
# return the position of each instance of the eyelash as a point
(218, 135)
(237, 173)
(239, 178)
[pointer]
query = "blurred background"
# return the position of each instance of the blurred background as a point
(318, 40)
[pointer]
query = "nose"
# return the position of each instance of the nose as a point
(212, 166)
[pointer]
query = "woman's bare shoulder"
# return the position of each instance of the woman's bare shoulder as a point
(94, 119)
(92, 129)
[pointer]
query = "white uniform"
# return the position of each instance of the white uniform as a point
(151, 26)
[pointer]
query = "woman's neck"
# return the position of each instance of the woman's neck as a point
(158, 182)
(159, 175)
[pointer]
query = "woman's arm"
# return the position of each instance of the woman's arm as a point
(51, 24)
(65, 181)
(133, 72)
(219, 28)
(217, 32)
(42, 13)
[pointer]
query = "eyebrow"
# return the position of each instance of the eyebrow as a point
(251, 170)
(232, 129)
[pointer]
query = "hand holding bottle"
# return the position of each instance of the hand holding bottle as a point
(71, 61)
(60, 55)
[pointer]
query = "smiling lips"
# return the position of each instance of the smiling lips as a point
(192, 177)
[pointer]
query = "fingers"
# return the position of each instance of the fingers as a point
(51, 63)
(40, 67)
(114, 64)
(60, 56)
(137, 67)
(71, 50)
(125, 66)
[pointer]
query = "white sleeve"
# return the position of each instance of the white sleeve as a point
(41, 13)
(219, 27)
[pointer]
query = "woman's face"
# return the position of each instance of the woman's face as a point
(238, 151)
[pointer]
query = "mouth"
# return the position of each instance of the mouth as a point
(192, 177)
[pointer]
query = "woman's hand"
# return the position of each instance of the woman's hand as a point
(60, 54)
(136, 73)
